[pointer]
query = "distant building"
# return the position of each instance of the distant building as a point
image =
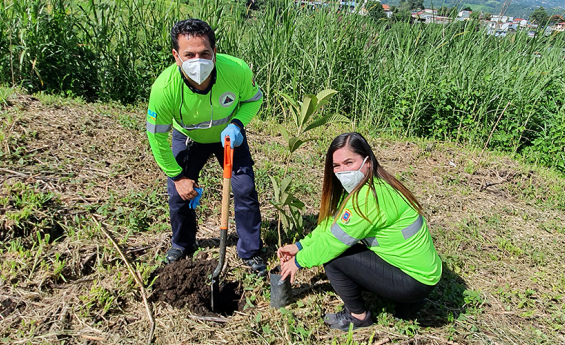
(501, 19)
(347, 5)
(522, 22)
(465, 15)
(437, 20)
(387, 10)
(559, 27)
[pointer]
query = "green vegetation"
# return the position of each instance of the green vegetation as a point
(517, 9)
(451, 82)
(375, 10)
(539, 16)
(434, 101)
(68, 167)
(303, 115)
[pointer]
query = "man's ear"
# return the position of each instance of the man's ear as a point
(176, 56)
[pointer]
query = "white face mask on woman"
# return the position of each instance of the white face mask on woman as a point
(197, 69)
(350, 179)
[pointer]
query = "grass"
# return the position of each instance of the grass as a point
(444, 82)
(496, 221)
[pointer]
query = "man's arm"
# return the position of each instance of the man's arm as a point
(250, 97)
(159, 123)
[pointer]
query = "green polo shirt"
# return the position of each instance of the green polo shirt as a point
(234, 96)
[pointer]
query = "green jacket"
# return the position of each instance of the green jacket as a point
(395, 232)
(234, 97)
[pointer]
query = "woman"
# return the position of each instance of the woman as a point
(371, 235)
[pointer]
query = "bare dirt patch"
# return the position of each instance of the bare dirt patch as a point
(7, 307)
(187, 283)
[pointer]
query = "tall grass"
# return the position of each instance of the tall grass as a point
(445, 82)
(451, 82)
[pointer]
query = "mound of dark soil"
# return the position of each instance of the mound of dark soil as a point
(7, 307)
(187, 283)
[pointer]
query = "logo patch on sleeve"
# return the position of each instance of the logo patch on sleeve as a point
(152, 115)
(253, 82)
(346, 216)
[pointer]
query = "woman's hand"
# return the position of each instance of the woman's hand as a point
(287, 253)
(289, 268)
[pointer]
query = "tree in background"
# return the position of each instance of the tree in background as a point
(556, 19)
(467, 8)
(475, 16)
(375, 10)
(443, 11)
(401, 14)
(539, 16)
(411, 5)
(487, 16)
(416, 4)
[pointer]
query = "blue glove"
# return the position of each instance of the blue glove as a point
(232, 131)
(196, 201)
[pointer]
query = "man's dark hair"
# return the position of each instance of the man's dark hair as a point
(192, 27)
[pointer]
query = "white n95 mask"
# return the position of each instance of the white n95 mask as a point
(197, 69)
(350, 179)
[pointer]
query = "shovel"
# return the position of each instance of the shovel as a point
(228, 165)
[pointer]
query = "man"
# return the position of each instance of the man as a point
(204, 98)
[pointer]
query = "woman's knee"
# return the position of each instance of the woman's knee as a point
(332, 269)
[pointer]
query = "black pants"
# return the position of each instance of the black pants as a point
(358, 268)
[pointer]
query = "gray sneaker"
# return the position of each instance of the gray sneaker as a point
(174, 254)
(256, 265)
(343, 319)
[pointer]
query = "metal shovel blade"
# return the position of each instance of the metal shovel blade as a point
(218, 270)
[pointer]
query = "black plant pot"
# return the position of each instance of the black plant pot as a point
(281, 291)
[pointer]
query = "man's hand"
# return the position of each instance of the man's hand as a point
(234, 132)
(289, 268)
(287, 253)
(185, 188)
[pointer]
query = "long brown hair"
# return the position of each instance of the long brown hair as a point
(333, 192)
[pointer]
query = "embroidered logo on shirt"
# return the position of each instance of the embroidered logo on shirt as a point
(152, 115)
(346, 216)
(227, 99)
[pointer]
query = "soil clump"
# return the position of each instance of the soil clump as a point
(187, 283)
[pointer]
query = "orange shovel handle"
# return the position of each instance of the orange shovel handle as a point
(228, 167)
(228, 158)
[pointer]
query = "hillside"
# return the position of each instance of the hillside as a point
(517, 8)
(70, 170)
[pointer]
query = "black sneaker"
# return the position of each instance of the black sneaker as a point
(174, 254)
(330, 319)
(343, 319)
(256, 265)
